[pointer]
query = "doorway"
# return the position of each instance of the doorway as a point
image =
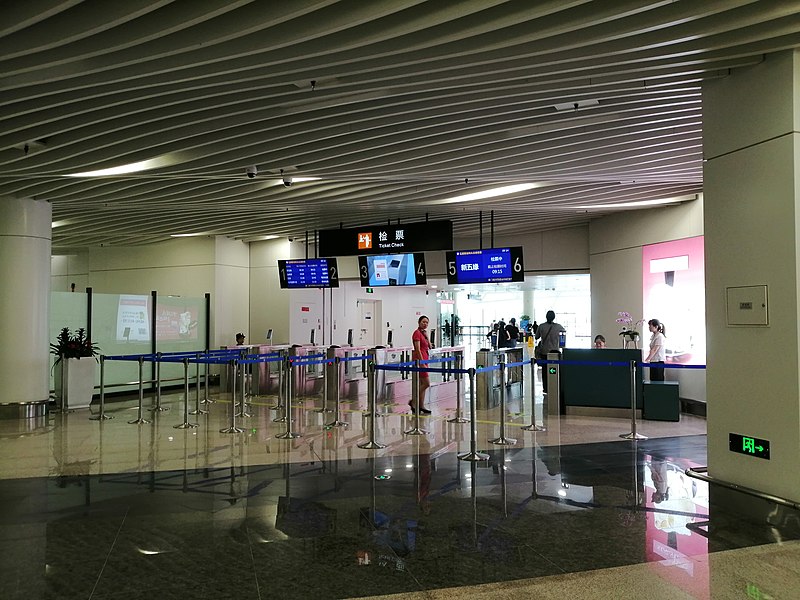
(369, 312)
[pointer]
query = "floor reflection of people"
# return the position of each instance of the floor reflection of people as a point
(424, 474)
(658, 473)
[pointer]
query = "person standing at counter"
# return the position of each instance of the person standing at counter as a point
(421, 347)
(658, 349)
(547, 334)
(513, 333)
(599, 341)
(240, 339)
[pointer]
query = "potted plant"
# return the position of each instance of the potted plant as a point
(629, 332)
(74, 374)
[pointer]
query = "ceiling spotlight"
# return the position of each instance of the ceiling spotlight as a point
(287, 180)
(251, 172)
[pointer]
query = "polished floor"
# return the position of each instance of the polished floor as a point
(107, 509)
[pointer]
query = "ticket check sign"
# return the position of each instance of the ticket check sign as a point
(390, 238)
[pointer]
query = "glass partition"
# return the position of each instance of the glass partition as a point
(121, 325)
(180, 327)
(67, 309)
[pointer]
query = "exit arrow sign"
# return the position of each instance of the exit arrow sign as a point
(751, 446)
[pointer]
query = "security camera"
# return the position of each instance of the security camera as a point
(251, 172)
(287, 180)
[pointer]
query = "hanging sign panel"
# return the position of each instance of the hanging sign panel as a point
(308, 273)
(492, 265)
(387, 239)
(392, 269)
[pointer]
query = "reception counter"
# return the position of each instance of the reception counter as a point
(599, 386)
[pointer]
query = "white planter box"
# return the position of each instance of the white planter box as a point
(74, 382)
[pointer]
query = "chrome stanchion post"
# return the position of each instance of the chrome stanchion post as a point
(372, 395)
(286, 369)
(502, 440)
(102, 416)
(633, 435)
(533, 426)
(140, 420)
(242, 402)
(325, 375)
(372, 383)
(186, 424)
(473, 454)
(197, 410)
(233, 428)
(279, 399)
(287, 411)
(415, 430)
(158, 407)
(206, 370)
(337, 386)
(459, 376)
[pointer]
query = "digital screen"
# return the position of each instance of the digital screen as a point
(308, 273)
(392, 269)
(492, 265)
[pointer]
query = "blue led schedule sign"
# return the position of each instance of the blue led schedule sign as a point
(492, 265)
(751, 446)
(308, 273)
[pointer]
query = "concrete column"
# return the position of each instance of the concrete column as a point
(25, 231)
(752, 238)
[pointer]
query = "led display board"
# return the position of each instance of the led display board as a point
(392, 269)
(385, 239)
(308, 273)
(492, 265)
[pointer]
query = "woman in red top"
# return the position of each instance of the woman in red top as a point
(421, 346)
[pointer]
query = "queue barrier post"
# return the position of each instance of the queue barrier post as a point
(415, 403)
(232, 428)
(372, 382)
(287, 410)
(502, 440)
(337, 387)
(242, 397)
(473, 454)
(102, 416)
(197, 410)
(285, 398)
(459, 377)
(279, 398)
(372, 396)
(533, 426)
(140, 420)
(158, 407)
(186, 424)
(633, 435)
(206, 398)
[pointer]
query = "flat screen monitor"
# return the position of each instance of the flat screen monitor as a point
(308, 273)
(492, 265)
(392, 269)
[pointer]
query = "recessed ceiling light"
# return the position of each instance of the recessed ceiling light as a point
(490, 193)
(136, 167)
(190, 234)
(637, 204)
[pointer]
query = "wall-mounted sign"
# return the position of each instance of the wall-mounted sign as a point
(751, 446)
(387, 239)
(308, 273)
(492, 265)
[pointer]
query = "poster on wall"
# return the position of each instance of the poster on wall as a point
(673, 278)
(176, 322)
(132, 322)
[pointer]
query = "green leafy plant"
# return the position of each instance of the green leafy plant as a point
(77, 345)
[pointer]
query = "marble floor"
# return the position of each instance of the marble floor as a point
(108, 509)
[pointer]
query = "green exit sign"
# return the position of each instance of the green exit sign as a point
(369, 290)
(752, 446)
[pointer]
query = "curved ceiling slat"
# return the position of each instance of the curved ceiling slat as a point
(414, 104)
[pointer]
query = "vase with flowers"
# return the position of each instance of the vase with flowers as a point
(630, 332)
(75, 365)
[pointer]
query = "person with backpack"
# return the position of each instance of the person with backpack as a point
(548, 335)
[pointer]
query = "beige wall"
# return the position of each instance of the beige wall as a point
(180, 267)
(615, 255)
(752, 233)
